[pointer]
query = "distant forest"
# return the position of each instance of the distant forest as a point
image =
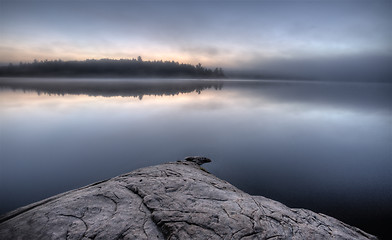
(109, 68)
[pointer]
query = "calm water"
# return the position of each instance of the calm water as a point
(322, 146)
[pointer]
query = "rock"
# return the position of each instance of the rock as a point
(197, 159)
(169, 201)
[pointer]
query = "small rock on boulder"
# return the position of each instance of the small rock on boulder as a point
(197, 159)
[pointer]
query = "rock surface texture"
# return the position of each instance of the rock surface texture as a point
(170, 201)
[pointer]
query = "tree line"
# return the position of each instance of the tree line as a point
(109, 67)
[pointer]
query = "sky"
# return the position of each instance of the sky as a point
(266, 36)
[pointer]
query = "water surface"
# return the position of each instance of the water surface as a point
(323, 146)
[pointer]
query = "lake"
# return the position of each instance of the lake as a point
(324, 146)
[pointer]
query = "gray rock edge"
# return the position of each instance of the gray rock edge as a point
(178, 200)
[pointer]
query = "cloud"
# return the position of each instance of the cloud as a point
(221, 33)
(203, 50)
(362, 67)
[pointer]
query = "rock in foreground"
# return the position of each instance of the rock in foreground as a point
(169, 201)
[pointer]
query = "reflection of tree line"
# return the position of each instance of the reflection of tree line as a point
(109, 67)
(110, 88)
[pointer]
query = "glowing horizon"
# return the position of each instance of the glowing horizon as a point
(262, 35)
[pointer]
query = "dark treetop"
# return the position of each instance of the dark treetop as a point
(109, 67)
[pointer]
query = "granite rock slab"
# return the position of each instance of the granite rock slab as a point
(178, 200)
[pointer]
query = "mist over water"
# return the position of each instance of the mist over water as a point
(322, 146)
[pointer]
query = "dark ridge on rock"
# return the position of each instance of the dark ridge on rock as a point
(169, 201)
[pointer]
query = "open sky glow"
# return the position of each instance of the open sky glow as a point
(232, 34)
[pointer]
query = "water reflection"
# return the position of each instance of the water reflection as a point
(326, 95)
(109, 87)
(323, 146)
